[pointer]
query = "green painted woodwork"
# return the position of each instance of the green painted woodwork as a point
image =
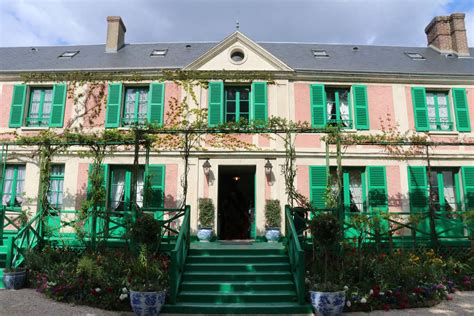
(156, 101)
(56, 118)
(15, 180)
(237, 101)
(418, 194)
(135, 108)
(259, 101)
(361, 107)
(420, 109)
(318, 179)
(461, 109)
(155, 186)
(318, 106)
(377, 194)
(222, 278)
(215, 103)
(468, 184)
(17, 105)
(42, 117)
(55, 194)
(114, 103)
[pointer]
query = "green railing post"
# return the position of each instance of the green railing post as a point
(295, 255)
(179, 254)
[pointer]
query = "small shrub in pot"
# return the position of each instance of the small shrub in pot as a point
(206, 219)
(272, 220)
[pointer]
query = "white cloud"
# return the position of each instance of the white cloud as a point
(383, 22)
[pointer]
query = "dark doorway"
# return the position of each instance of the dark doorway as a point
(236, 200)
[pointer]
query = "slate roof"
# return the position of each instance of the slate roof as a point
(299, 56)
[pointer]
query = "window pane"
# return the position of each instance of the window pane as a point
(443, 111)
(331, 105)
(230, 94)
(344, 107)
(117, 188)
(355, 191)
(140, 188)
(7, 185)
(143, 105)
(244, 106)
(230, 117)
(430, 102)
(244, 94)
(230, 107)
(48, 96)
(434, 187)
(449, 191)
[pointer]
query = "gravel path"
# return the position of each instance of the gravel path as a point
(28, 302)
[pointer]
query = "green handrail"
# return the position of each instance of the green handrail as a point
(295, 254)
(179, 254)
(26, 238)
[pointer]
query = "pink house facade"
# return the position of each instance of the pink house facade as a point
(365, 89)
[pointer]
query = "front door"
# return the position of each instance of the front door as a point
(236, 202)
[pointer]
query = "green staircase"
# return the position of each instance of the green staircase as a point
(237, 279)
(4, 252)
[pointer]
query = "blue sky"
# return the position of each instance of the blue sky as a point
(381, 22)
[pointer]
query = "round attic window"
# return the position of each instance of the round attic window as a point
(237, 56)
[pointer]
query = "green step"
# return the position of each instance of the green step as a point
(2, 286)
(237, 267)
(227, 287)
(238, 297)
(238, 259)
(259, 252)
(237, 308)
(237, 276)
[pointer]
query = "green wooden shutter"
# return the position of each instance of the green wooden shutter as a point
(105, 177)
(318, 105)
(361, 107)
(461, 109)
(378, 195)
(155, 186)
(17, 105)
(468, 185)
(259, 101)
(420, 109)
(318, 180)
(156, 101)
(418, 193)
(56, 118)
(114, 102)
(215, 103)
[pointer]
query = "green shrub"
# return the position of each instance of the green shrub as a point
(273, 213)
(88, 268)
(146, 230)
(206, 213)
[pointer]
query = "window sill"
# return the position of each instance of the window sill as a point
(444, 133)
(34, 128)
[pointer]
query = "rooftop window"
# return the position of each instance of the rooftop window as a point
(415, 56)
(318, 53)
(69, 54)
(158, 52)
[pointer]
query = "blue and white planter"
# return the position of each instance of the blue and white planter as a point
(204, 234)
(14, 280)
(147, 303)
(328, 303)
(272, 234)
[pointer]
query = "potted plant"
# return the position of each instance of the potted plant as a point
(272, 220)
(206, 219)
(327, 296)
(147, 283)
(14, 278)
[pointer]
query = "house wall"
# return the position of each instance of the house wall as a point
(388, 103)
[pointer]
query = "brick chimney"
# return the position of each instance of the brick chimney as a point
(447, 34)
(115, 34)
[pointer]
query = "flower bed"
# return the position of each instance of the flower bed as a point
(381, 281)
(99, 279)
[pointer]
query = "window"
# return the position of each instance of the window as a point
(234, 103)
(39, 110)
(344, 107)
(134, 105)
(364, 188)
(120, 188)
(69, 54)
(444, 189)
(55, 194)
(158, 52)
(338, 107)
(432, 110)
(439, 115)
(415, 56)
(237, 104)
(320, 53)
(13, 184)
(45, 107)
